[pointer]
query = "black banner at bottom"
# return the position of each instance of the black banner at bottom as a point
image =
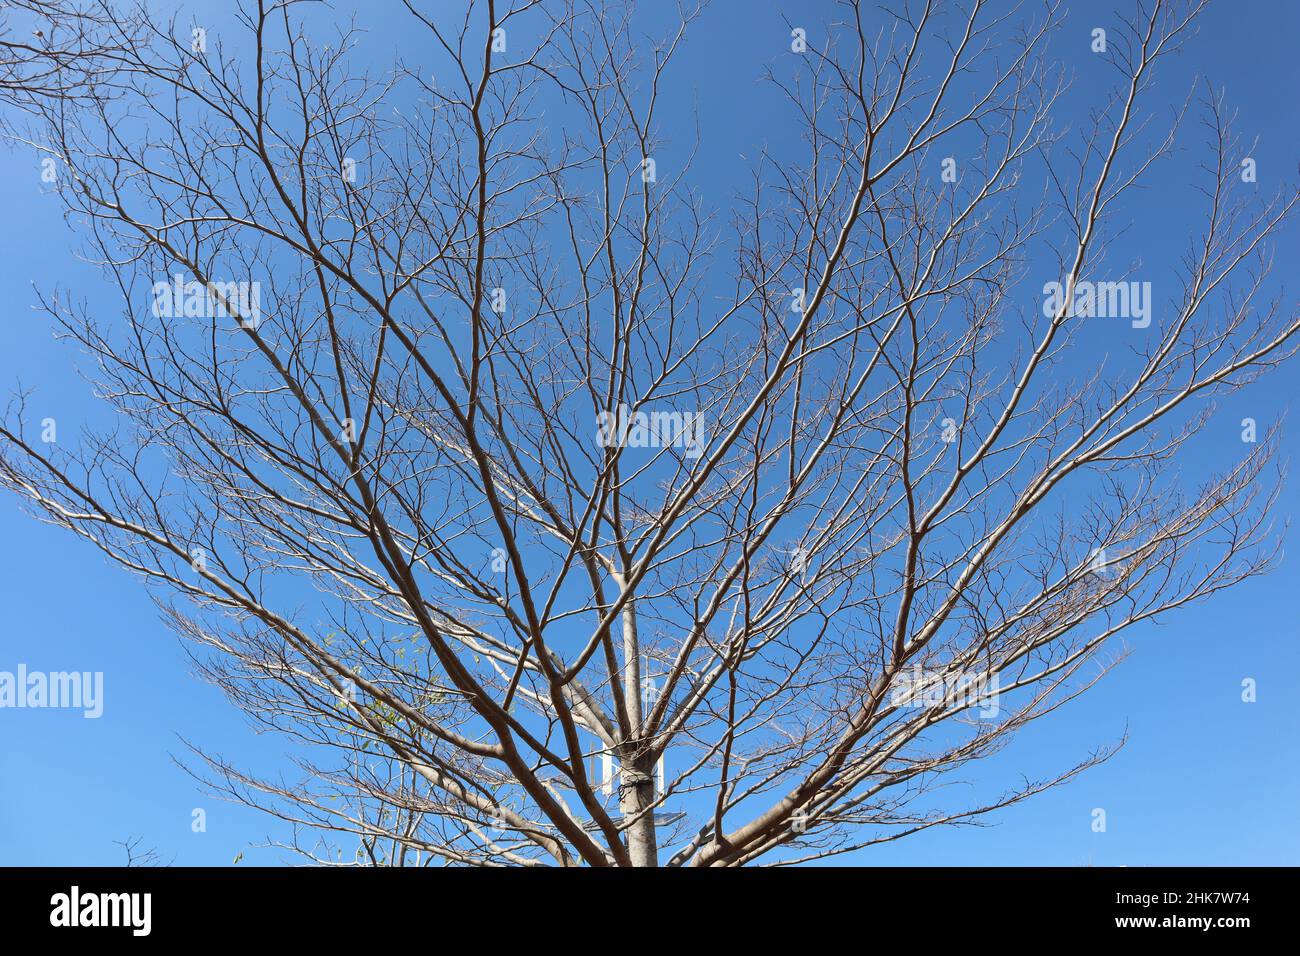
(937, 905)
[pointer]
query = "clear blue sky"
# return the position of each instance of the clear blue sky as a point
(1204, 779)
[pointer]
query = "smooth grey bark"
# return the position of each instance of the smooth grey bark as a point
(636, 793)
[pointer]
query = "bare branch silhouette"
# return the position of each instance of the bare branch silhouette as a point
(566, 520)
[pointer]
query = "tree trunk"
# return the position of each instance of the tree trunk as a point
(636, 792)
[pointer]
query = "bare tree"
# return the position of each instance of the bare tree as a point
(565, 521)
(61, 49)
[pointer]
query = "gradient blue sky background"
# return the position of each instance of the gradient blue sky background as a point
(1204, 779)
